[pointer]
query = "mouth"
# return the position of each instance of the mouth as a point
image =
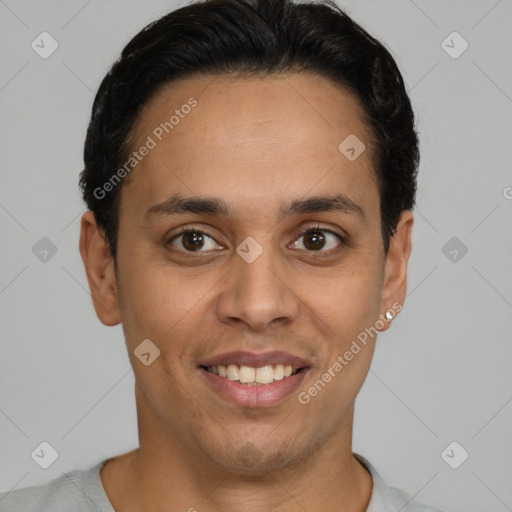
(254, 380)
(253, 376)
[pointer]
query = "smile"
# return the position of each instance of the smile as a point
(253, 376)
(254, 379)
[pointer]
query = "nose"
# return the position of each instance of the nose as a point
(258, 293)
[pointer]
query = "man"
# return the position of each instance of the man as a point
(250, 171)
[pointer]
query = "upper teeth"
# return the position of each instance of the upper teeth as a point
(248, 374)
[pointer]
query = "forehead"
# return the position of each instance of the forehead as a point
(250, 137)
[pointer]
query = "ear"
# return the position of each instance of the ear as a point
(394, 287)
(99, 267)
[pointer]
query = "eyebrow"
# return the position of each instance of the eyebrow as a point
(177, 204)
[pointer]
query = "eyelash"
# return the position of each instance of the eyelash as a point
(309, 229)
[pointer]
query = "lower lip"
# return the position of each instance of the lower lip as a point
(258, 395)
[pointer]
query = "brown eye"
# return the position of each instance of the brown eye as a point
(192, 241)
(314, 240)
(319, 240)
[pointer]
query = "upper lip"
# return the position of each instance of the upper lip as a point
(255, 360)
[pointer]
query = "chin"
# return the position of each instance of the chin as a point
(251, 462)
(257, 458)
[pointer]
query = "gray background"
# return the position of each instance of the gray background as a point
(441, 374)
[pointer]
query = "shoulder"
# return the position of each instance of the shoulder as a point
(390, 499)
(70, 492)
(399, 500)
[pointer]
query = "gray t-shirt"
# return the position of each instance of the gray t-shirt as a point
(82, 491)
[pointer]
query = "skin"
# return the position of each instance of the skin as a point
(255, 144)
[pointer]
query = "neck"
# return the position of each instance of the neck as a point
(165, 473)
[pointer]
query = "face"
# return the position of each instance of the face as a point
(278, 260)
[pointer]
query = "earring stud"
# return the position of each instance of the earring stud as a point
(389, 315)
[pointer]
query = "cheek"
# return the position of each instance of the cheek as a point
(153, 299)
(168, 305)
(349, 311)
(348, 306)
(348, 300)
